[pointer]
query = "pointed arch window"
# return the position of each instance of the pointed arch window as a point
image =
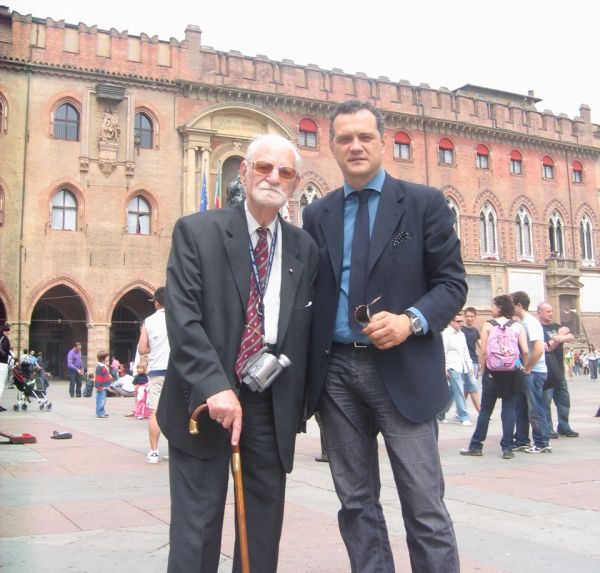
(3, 115)
(143, 131)
(556, 235)
(66, 123)
(586, 241)
(454, 208)
(64, 211)
(523, 234)
(138, 216)
(309, 194)
(488, 233)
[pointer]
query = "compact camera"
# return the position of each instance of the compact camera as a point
(261, 369)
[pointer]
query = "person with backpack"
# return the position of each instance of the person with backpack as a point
(503, 350)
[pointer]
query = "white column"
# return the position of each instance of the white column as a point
(189, 195)
(206, 173)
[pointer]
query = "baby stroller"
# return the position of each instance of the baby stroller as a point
(29, 387)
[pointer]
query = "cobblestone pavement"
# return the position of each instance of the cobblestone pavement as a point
(92, 504)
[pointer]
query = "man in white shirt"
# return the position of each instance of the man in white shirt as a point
(530, 408)
(458, 362)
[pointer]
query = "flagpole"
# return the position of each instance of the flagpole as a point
(218, 188)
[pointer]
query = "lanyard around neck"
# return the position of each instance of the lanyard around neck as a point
(259, 287)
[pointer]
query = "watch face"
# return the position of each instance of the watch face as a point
(417, 325)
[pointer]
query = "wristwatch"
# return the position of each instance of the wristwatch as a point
(416, 326)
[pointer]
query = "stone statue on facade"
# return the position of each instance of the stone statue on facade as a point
(235, 192)
(110, 127)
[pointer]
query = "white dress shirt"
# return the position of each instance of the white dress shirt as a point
(456, 350)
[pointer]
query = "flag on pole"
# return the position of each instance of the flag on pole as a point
(203, 194)
(218, 188)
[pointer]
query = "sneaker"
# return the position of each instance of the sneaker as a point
(455, 416)
(522, 448)
(570, 434)
(470, 452)
(152, 457)
(466, 423)
(322, 458)
(537, 450)
(507, 454)
(102, 416)
(444, 421)
(129, 414)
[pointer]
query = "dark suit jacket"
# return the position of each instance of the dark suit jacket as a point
(414, 260)
(208, 280)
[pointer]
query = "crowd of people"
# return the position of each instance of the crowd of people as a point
(262, 324)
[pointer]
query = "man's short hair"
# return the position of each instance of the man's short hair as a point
(522, 298)
(470, 309)
(102, 354)
(505, 303)
(159, 296)
(274, 139)
(354, 106)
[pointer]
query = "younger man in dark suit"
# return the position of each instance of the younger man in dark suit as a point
(238, 280)
(380, 368)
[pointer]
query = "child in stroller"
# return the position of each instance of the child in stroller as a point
(30, 384)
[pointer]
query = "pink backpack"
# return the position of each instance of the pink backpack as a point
(502, 352)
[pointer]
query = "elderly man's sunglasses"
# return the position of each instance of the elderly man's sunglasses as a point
(265, 168)
(362, 313)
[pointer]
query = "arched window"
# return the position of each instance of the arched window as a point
(586, 241)
(577, 172)
(307, 133)
(547, 167)
(66, 123)
(488, 242)
(3, 115)
(402, 146)
(556, 235)
(138, 216)
(64, 211)
(482, 157)
(516, 162)
(143, 131)
(523, 234)
(454, 208)
(309, 194)
(446, 151)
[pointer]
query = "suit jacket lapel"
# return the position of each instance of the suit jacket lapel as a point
(389, 214)
(236, 246)
(291, 271)
(332, 225)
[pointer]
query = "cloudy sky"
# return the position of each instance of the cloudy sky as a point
(548, 46)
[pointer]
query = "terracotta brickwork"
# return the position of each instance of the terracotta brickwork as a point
(205, 106)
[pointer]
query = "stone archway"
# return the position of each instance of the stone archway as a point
(58, 320)
(217, 134)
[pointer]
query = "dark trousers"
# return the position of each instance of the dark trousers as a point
(74, 383)
(355, 408)
(489, 395)
(199, 490)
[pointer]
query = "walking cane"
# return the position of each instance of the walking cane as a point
(240, 506)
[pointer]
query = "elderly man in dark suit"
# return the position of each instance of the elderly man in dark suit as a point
(238, 280)
(379, 367)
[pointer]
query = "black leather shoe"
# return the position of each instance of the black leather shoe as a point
(470, 452)
(322, 458)
(507, 454)
(570, 434)
(554, 435)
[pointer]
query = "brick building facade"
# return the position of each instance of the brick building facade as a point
(106, 139)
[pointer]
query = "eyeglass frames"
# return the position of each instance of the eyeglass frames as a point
(265, 168)
(362, 313)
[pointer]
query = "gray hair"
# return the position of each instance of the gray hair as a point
(273, 139)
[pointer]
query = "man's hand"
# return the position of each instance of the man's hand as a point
(387, 330)
(225, 408)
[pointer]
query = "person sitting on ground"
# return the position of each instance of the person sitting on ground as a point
(496, 384)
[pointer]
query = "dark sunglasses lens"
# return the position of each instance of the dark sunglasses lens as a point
(362, 314)
(287, 173)
(263, 167)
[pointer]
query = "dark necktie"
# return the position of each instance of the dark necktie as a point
(357, 292)
(252, 337)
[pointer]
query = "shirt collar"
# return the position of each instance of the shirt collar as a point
(376, 184)
(253, 224)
